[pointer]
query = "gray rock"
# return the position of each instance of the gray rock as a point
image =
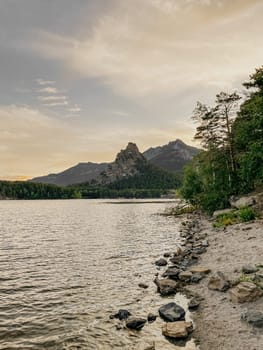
(151, 317)
(246, 201)
(178, 251)
(135, 323)
(161, 262)
(253, 317)
(199, 250)
(197, 277)
(200, 269)
(122, 314)
(171, 312)
(143, 285)
(193, 304)
(221, 212)
(172, 272)
(185, 276)
(249, 269)
(218, 282)
(205, 243)
(165, 286)
(176, 259)
(167, 255)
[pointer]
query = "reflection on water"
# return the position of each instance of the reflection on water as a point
(67, 265)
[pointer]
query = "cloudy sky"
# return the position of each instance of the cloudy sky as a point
(79, 79)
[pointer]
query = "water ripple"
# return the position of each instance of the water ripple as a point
(67, 265)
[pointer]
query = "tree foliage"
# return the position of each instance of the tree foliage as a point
(232, 137)
(30, 190)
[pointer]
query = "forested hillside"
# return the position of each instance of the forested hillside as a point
(29, 190)
(150, 182)
(231, 133)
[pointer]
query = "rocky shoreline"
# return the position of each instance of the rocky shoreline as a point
(221, 273)
(230, 315)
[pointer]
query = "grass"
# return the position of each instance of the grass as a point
(245, 214)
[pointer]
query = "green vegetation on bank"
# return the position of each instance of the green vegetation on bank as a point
(30, 190)
(235, 216)
(231, 133)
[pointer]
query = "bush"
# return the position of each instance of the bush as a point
(236, 216)
(247, 214)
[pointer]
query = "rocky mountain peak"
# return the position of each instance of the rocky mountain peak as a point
(130, 153)
(126, 164)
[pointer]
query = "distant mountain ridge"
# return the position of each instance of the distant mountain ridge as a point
(172, 157)
(128, 162)
(82, 172)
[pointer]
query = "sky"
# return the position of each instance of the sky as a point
(80, 79)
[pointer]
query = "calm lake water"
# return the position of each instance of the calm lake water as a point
(67, 265)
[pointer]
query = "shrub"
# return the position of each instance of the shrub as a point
(246, 214)
(242, 215)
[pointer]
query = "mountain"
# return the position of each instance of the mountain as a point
(82, 172)
(172, 157)
(128, 162)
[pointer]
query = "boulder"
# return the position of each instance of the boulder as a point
(171, 312)
(185, 276)
(249, 269)
(218, 282)
(178, 251)
(246, 201)
(199, 250)
(205, 243)
(193, 304)
(135, 323)
(167, 255)
(172, 272)
(143, 285)
(180, 329)
(253, 317)
(122, 314)
(176, 259)
(151, 317)
(161, 262)
(166, 286)
(197, 277)
(200, 269)
(245, 292)
(221, 212)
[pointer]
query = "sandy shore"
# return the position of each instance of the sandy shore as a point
(218, 323)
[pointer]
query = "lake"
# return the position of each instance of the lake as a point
(67, 265)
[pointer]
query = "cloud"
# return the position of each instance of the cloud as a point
(45, 82)
(75, 109)
(152, 47)
(53, 96)
(49, 90)
(56, 103)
